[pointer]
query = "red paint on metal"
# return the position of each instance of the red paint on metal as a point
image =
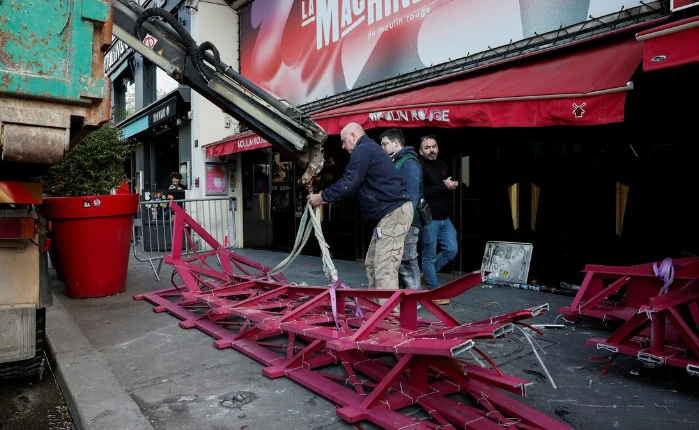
(20, 192)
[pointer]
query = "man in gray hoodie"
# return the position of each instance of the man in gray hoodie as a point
(406, 161)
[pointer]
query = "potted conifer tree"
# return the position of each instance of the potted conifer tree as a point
(90, 228)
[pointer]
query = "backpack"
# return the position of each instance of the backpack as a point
(423, 209)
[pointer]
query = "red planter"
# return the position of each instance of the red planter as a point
(90, 241)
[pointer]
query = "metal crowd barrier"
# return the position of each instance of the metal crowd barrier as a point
(153, 228)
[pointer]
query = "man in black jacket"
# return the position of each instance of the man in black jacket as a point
(384, 201)
(176, 182)
(440, 231)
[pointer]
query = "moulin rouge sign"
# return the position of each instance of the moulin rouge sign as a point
(411, 115)
(335, 19)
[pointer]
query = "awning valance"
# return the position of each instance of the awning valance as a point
(585, 87)
(236, 143)
(581, 87)
(670, 45)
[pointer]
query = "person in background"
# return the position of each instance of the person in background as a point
(440, 231)
(384, 201)
(176, 182)
(406, 161)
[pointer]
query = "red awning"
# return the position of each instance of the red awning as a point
(670, 45)
(583, 87)
(586, 87)
(236, 143)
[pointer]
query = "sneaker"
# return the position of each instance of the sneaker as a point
(442, 301)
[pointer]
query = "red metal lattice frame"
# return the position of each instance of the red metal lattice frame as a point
(370, 360)
(617, 292)
(662, 332)
(657, 329)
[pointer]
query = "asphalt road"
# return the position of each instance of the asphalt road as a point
(33, 404)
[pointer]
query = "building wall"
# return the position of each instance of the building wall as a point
(217, 23)
(213, 21)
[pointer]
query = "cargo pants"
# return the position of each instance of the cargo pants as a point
(409, 267)
(386, 248)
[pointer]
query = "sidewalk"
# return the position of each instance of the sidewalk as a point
(122, 366)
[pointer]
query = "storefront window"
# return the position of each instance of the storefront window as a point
(130, 104)
(466, 170)
(164, 84)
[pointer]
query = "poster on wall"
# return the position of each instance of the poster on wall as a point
(331, 46)
(676, 5)
(215, 179)
(281, 170)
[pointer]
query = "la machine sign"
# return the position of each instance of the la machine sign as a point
(335, 19)
(306, 50)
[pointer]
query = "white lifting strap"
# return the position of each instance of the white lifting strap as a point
(302, 236)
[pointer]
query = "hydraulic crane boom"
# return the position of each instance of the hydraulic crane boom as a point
(162, 39)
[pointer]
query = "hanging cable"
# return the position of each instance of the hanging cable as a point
(304, 232)
(543, 366)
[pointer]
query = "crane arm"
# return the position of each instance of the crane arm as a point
(162, 39)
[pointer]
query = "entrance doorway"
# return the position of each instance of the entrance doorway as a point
(283, 172)
(257, 184)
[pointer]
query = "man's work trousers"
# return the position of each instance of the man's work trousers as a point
(385, 252)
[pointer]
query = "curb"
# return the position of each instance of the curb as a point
(95, 398)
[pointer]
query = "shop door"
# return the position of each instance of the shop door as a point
(165, 158)
(467, 217)
(282, 201)
(257, 225)
(483, 210)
